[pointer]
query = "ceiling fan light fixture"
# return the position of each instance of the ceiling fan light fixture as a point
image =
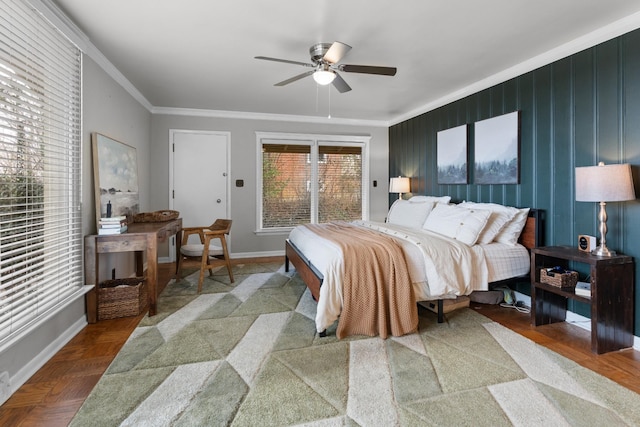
(323, 77)
(325, 64)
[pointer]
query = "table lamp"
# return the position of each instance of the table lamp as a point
(399, 185)
(604, 183)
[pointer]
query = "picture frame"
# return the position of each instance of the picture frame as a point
(497, 150)
(115, 169)
(452, 155)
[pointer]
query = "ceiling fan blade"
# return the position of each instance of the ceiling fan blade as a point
(286, 61)
(336, 52)
(340, 84)
(294, 78)
(368, 69)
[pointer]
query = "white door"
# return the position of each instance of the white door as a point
(199, 177)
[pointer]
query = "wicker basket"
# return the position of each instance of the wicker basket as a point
(157, 216)
(567, 279)
(121, 298)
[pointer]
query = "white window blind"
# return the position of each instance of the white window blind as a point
(40, 169)
(307, 179)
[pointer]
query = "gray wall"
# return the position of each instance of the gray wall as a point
(243, 166)
(110, 110)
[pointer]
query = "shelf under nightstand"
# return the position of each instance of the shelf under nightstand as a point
(611, 301)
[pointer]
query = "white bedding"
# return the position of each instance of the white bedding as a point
(505, 261)
(439, 267)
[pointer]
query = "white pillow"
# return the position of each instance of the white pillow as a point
(498, 220)
(511, 232)
(436, 199)
(458, 223)
(408, 214)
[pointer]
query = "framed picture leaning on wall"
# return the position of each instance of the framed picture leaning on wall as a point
(115, 173)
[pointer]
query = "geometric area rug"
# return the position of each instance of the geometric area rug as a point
(247, 354)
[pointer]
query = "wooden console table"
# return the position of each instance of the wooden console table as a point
(139, 238)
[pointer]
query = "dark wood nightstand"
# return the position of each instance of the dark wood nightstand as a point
(612, 288)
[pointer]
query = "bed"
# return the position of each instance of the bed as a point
(449, 250)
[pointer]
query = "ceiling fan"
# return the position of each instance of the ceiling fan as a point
(324, 61)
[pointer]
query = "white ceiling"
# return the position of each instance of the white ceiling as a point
(199, 54)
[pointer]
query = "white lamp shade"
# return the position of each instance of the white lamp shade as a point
(323, 77)
(399, 185)
(604, 183)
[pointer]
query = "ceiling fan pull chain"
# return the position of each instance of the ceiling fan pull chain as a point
(329, 90)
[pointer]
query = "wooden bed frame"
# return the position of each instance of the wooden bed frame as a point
(532, 236)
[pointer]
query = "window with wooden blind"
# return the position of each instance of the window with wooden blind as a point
(311, 179)
(286, 189)
(40, 170)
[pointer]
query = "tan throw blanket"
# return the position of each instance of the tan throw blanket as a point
(377, 294)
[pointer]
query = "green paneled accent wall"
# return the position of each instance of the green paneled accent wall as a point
(574, 112)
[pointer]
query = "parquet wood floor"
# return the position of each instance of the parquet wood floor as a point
(54, 394)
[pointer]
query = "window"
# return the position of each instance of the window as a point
(339, 183)
(311, 179)
(322, 158)
(286, 184)
(40, 170)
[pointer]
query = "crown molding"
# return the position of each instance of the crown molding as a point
(245, 115)
(116, 75)
(608, 32)
(50, 11)
(57, 17)
(77, 36)
(603, 34)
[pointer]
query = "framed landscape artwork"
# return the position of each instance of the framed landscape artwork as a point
(115, 170)
(497, 150)
(452, 156)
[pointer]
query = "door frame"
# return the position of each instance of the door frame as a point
(172, 134)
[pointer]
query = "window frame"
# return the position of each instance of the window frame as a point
(53, 275)
(314, 141)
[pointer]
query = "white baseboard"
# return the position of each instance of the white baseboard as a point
(5, 387)
(43, 357)
(577, 319)
(258, 254)
(238, 255)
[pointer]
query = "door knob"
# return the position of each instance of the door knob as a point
(219, 201)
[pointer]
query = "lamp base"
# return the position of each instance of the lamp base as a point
(603, 251)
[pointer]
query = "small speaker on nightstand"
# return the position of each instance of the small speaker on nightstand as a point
(586, 243)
